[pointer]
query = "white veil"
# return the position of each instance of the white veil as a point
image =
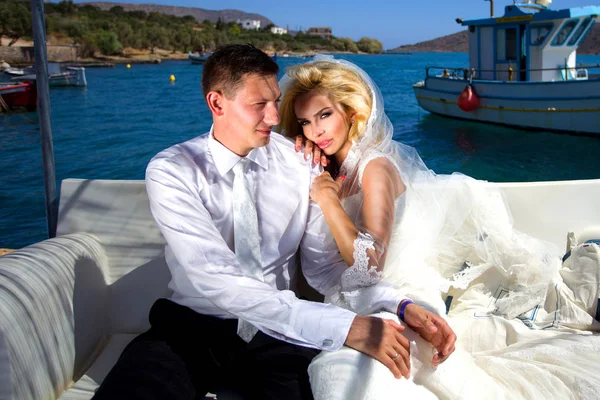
(447, 230)
(452, 246)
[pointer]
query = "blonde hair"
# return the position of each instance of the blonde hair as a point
(334, 80)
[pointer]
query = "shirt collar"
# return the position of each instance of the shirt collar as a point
(225, 159)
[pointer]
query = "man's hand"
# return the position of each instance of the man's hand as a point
(433, 329)
(381, 339)
(311, 151)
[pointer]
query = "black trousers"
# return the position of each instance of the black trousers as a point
(184, 355)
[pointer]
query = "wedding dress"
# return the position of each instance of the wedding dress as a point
(523, 331)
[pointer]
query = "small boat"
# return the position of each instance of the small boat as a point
(14, 71)
(20, 95)
(69, 76)
(59, 76)
(522, 72)
(199, 58)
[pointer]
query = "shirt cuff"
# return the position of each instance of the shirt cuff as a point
(324, 325)
(383, 297)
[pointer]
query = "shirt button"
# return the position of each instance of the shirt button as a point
(327, 343)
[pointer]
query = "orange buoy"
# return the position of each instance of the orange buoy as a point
(468, 100)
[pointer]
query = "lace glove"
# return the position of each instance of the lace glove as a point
(360, 274)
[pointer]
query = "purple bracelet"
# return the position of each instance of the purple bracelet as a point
(403, 307)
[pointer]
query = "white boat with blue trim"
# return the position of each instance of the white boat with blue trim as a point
(522, 72)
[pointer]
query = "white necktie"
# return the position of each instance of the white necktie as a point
(246, 238)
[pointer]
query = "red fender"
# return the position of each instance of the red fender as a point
(468, 100)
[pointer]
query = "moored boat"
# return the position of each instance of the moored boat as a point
(14, 71)
(58, 75)
(199, 58)
(522, 72)
(15, 96)
(69, 76)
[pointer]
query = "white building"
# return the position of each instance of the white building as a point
(278, 31)
(250, 24)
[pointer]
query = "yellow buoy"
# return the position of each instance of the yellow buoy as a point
(172, 78)
(128, 65)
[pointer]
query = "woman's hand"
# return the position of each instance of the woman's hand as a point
(324, 189)
(433, 329)
(311, 151)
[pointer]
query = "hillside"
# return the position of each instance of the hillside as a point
(457, 42)
(200, 14)
(591, 44)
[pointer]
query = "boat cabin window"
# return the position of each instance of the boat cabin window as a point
(579, 31)
(563, 34)
(539, 33)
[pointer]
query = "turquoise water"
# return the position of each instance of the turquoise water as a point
(112, 128)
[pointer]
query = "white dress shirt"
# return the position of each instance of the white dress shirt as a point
(189, 186)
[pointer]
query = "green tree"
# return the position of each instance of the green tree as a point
(369, 45)
(116, 10)
(141, 15)
(280, 45)
(300, 46)
(109, 31)
(338, 44)
(73, 28)
(15, 20)
(350, 45)
(235, 30)
(66, 7)
(189, 19)
(182, 39)
(108, 43)
(89, 45)
(157, 37)
(125, 33)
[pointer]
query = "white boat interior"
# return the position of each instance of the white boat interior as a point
(72, 303)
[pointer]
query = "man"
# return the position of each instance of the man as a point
(233, 319)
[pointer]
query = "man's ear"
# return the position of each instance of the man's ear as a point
(215, 101)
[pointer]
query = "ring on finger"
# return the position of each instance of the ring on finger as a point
(396, 356)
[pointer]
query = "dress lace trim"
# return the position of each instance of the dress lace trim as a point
(360, 274)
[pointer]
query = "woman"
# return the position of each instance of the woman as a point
(394, 220)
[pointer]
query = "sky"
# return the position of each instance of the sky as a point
(393, 22)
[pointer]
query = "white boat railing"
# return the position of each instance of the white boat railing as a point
(581, 72)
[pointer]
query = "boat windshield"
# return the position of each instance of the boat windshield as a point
(580, 30)
(563, 34)
(539, 33)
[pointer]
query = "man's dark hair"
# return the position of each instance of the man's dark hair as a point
(226, 67)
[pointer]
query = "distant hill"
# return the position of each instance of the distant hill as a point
(458, 42)
(200, 14)
(591, 44)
